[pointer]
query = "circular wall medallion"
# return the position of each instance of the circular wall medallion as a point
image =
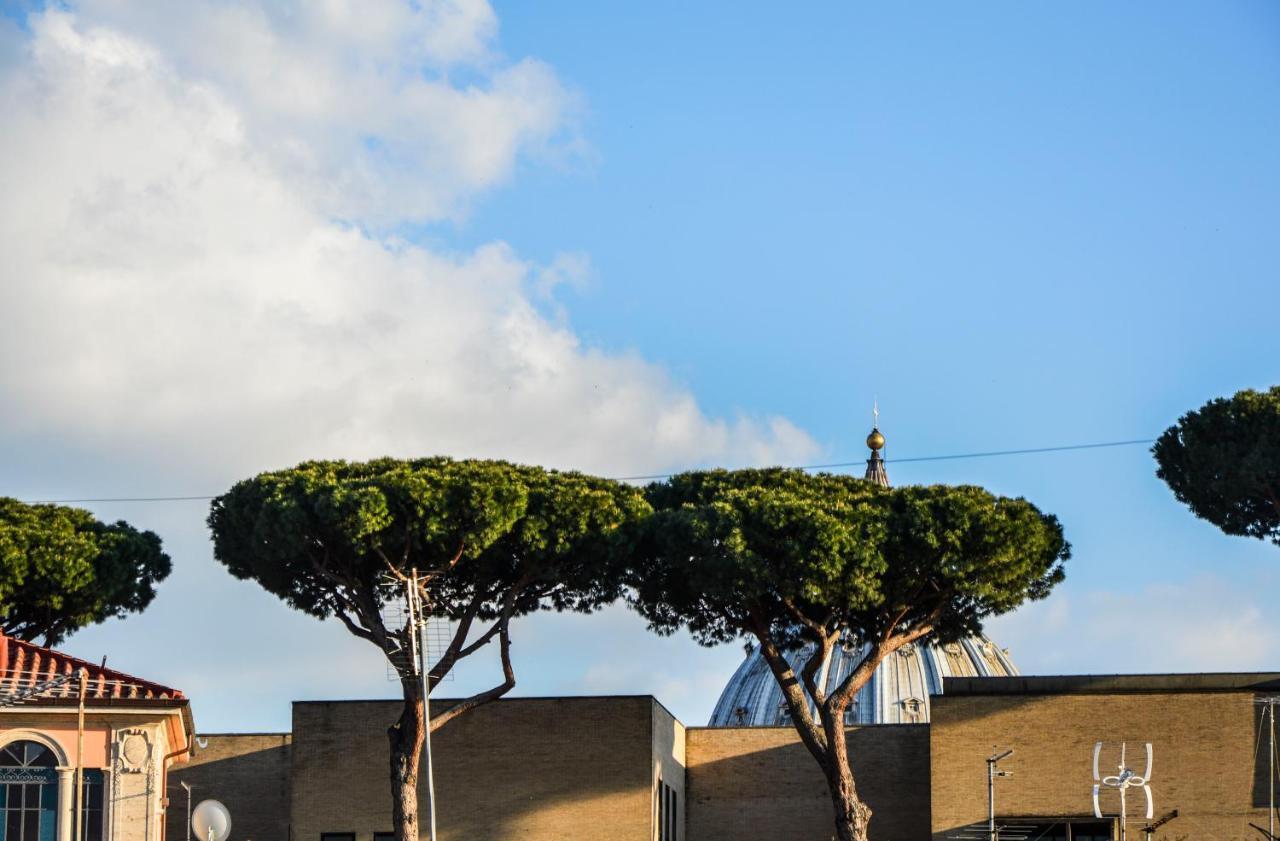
(134, 750)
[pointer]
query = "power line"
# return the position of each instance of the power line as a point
(839, 464)
(653, 476)
(121, 499)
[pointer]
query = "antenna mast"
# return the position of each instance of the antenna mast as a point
(417, 623)
(1270, 704)
(1122, 782)
(993, 832)
(408, 658)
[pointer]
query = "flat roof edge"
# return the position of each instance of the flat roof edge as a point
(437, 699)
(1113, 683)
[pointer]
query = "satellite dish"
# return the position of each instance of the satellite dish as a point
(211, 821)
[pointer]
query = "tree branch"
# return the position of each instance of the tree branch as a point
(819, 631)
(508, 682)
(816, 662)
(430, 576)
(502, 626)
(839, 700)
(355, 629)
(450, 655)
(391, 568)
(797, 705)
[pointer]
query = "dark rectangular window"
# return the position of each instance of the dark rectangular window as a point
(28, 804)
(384, 836)
(662, 811)
(1091, 831)
(1066, 830)
(90, 805)
(337, 836)
(667, 808)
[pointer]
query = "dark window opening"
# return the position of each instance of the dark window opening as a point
(28, 793)
(337, 836)
(1033, 829)
(91, 810)
(668, 821)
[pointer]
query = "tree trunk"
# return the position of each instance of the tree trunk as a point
(853, 817)
(407, 736)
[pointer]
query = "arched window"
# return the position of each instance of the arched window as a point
(29, 795)
(28, 792)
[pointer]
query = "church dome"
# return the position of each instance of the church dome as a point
(898, 692)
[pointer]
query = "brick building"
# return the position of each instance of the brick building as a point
(624, 769)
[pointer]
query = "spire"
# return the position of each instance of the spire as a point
(875, 441)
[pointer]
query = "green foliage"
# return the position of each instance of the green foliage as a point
(61, 569)
(1223, 461)
(322, 535)
(732, 553)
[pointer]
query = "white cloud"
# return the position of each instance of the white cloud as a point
(196, 283)
(175, 283)
(378, 110)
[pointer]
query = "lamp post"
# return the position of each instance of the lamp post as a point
(185, 785)
(993, 833)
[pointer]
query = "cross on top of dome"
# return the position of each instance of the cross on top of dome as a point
(875, 442)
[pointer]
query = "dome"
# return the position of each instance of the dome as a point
(898, 692)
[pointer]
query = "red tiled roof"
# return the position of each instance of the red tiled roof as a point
(24, 665)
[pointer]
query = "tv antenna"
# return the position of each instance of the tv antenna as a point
(413, 639)
(993, 832)
(1126, 779)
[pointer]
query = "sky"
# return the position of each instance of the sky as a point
(633, 239)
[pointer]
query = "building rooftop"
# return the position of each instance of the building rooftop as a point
(1110, 684)
(25, 666)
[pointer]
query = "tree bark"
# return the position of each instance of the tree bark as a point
(853, 817)
(407, 736)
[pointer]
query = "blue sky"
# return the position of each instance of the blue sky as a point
(1014, 225)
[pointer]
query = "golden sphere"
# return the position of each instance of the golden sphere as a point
(875, 440)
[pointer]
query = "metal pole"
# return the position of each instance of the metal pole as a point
(991, 799)
(84, 685)
(1271, 780)
(993, 832)
(420, 629)
(1124, 812)
(188, 788)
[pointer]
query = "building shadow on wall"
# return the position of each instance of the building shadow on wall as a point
(251, 780)
(740, 788)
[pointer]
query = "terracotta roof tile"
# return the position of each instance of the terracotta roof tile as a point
(24, 665)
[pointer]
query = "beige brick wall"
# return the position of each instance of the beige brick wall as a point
(761, 783)
(669, 767)
(528, 768)
(248, 773)
(1204, 757)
